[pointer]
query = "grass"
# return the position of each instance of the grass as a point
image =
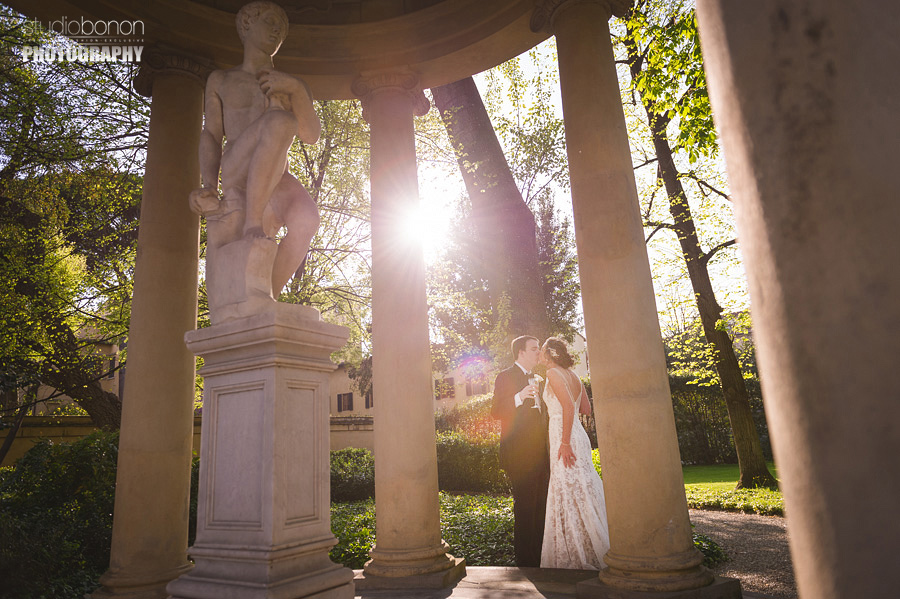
(712, 487)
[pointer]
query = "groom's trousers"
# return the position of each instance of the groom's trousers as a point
(529, 490)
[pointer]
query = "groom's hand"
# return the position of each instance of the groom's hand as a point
(527, 394)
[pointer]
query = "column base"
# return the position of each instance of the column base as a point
(263, 574)
(131, 587)
(721, 588)
(678, 572)
(366, 581)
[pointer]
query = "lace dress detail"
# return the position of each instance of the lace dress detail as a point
(576, 534)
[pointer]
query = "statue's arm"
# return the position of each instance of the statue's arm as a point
(303, 108)
(205, 200)
(213, 133)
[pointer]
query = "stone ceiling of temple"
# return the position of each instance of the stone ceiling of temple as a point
(334, 12)
(332, 42)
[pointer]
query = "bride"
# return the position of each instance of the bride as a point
(576, 535)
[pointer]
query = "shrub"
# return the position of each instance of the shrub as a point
(713, 554)
(476, 527)
(352, 474)
(471, 419)
(353, 524)
(469, 465)
(56, 518)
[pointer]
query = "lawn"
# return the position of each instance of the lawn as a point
(712, 487)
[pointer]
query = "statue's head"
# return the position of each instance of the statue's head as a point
(262, 12)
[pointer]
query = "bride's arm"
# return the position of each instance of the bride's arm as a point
(565, 452)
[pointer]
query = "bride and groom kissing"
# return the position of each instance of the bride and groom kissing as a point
(558, 501)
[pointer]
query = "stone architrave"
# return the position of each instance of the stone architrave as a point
(263, 515)
(408, 548)
(258, 111)
(651, 548)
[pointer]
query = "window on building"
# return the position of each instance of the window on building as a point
(476, 387)
(445, 388)
(345, 402)
(370, 401)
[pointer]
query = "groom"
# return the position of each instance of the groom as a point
(523, 448)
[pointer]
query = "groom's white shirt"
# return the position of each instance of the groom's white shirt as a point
(518, 399)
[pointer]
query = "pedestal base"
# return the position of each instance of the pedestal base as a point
(263, 509)
(721, 588)
(435, 580)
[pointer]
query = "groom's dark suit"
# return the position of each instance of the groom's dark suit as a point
(524, 456)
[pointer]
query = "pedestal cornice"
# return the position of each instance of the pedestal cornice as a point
(546, 11)
(158, 60)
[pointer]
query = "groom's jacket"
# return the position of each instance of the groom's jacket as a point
(523, 430)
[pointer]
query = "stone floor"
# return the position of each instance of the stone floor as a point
(496, 582)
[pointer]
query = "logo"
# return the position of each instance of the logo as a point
(86, 41)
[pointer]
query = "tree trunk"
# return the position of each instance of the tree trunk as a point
(754, 472)
(17, 423)
(504, 225)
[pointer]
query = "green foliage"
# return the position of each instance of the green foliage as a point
(353, 524)
(352, 474)
(479, 528)
(469, 465)
(71, 137)
(336, 276)
(712, 487)
(670, 75)
(689, 355)
(768, 502)
(471, 419)
(56, 518)
(476, 527)
(702, 424)
(713, 554)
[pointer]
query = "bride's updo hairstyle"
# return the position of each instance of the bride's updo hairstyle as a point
(556, 347)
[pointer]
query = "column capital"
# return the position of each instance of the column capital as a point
(546, 11)
(157, 60)
(372, 83)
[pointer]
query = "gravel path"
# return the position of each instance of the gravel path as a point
(757, 548)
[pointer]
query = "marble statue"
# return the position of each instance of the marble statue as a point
(257, 111)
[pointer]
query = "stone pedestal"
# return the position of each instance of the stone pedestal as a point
(239, 278)
(263, 518)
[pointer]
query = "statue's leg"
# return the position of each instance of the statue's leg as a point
(275, 131)
(293, 206)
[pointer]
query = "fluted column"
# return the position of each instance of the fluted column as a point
(805, 95)
(150, 523)
(408, 534)
(650, 534)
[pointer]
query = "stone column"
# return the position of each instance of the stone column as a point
(805, 95)
(150, 523)
(408, 549)
(650, 534)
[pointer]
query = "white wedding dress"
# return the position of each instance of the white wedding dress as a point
(576, 534)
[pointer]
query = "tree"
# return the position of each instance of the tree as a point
(336, 275)
(466, 321)
(69, 134)
(663, 55)
(503, 226)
